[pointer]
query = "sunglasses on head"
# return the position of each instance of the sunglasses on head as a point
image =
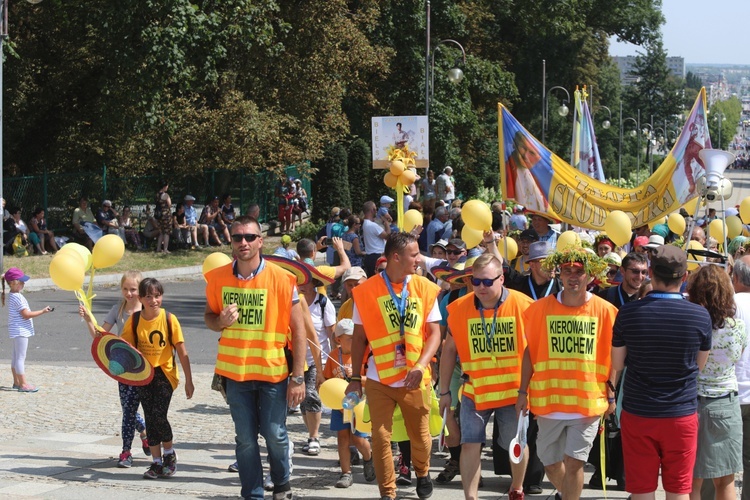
(487, 282)
(454, 252)
(249, 237)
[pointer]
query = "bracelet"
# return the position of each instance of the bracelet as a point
(420, 366)
(355, 379)
(445, 394)
(610, 400)
(521, 391)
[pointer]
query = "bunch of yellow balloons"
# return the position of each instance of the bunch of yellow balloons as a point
(398, 173)
(68, 267)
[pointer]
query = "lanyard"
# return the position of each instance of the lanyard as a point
(491, 334)
(399, 302)
(666, 295)
(533, 292)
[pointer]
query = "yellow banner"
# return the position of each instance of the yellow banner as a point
(536, 178)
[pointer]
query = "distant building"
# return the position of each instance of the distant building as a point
(626, 65)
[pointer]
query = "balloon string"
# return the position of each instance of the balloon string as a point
(87, 304)
(91, 285)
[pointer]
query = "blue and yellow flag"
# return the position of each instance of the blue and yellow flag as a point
(543, 182)
(584, 152)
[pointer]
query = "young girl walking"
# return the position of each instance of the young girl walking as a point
(20, 326)
(129, 398)
(156, 333)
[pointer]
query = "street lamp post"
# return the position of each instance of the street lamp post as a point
(720, 116)
(455, 74)
(608, 122)
(562, 110)
(638, 135)
(649, 152)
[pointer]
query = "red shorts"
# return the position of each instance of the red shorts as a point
(651, 443)
(285, 213)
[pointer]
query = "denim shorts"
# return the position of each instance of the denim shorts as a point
(474, 423)
(312, 402)
(338, 424)
(719, 437)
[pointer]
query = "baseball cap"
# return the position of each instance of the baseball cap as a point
(539, 250)
(640, 241)
(439, 243)
(669, 262)
(353, 273)
(14, 273)
(613, 259)
(344, 327)
(189, 197)
(286, 239)
(385, 199)
(529, 234)
(457, 242)
(729, 212)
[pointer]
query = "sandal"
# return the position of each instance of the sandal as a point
(28, 388)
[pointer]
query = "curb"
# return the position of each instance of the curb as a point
(191, 272)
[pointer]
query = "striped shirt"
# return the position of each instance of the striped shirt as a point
(17, 326)
(662, 337)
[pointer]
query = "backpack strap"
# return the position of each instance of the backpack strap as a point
(134, 322)
(322, 302)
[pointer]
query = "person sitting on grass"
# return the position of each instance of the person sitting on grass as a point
(39, 234)
(340, 366)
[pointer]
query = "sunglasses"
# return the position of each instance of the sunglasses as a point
(454, 252)
(249, 237)
(642, 272)
(487, 282)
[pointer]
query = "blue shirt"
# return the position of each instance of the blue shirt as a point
(190, 215)
(434, 231)
(663, 337)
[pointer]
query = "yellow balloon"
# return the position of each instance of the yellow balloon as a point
(676, 223)
(362, 422)
(692, 266)
(397, 167)
(734, 226)
(214, 260)
(67, 272)
(471, 236)
(412, 218)
(716, 230)
(477, 215)
(745, 210)
(568, 239)
(407, 178)
(108, 251)
(81, 251)
(332, 393)
(618, 227)
(512, 246)
(390, 180)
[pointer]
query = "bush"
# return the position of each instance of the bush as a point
(307, 230)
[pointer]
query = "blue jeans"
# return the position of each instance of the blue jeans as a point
(247, 402)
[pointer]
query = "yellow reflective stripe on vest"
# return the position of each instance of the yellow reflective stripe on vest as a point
(251, 352)
(571, 365)
(571, 401)
(485, 397)
(391, 372)
(376, 344)
(245, 335)
(242, 370)
(506, 378)
(543, 385)
(487, 364)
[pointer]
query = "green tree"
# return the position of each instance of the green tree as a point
(330, 182)
(359, 166)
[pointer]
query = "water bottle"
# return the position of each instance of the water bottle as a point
(350, 401)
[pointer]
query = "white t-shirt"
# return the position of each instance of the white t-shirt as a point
(317, 318)
(371, 237)
(372, 372)
(742, 368)
(17, 325)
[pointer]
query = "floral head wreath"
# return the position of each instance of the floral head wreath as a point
(593, 265)
(603, 237)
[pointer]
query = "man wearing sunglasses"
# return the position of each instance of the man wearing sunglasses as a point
(567, 377)
(254, 306)
(634, 272)
(396, 313)
(486, 331)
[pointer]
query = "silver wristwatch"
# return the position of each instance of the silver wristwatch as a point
(300, 379)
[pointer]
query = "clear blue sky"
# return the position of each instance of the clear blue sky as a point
(702, 32)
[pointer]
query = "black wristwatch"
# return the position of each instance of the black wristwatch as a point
(300, 379)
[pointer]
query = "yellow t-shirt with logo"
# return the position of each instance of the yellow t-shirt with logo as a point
(153, 342)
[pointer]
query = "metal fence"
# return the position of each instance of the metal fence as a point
(58, 194)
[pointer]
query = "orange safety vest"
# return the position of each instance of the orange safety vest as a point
(253, 347)
(570, 350)
(381, 322)
(494, 367)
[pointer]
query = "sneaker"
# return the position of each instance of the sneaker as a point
(153, 471)
(345, 480)
(306, 446)
(146, 447)
(313, 446)
(234, 467)
(283, 495)
(515, 495)
(267, 482)
(424, 487)
(126, 460)
(533, 489)
(404, 474)
(169, 465)
(369, 467)
(451, 470)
